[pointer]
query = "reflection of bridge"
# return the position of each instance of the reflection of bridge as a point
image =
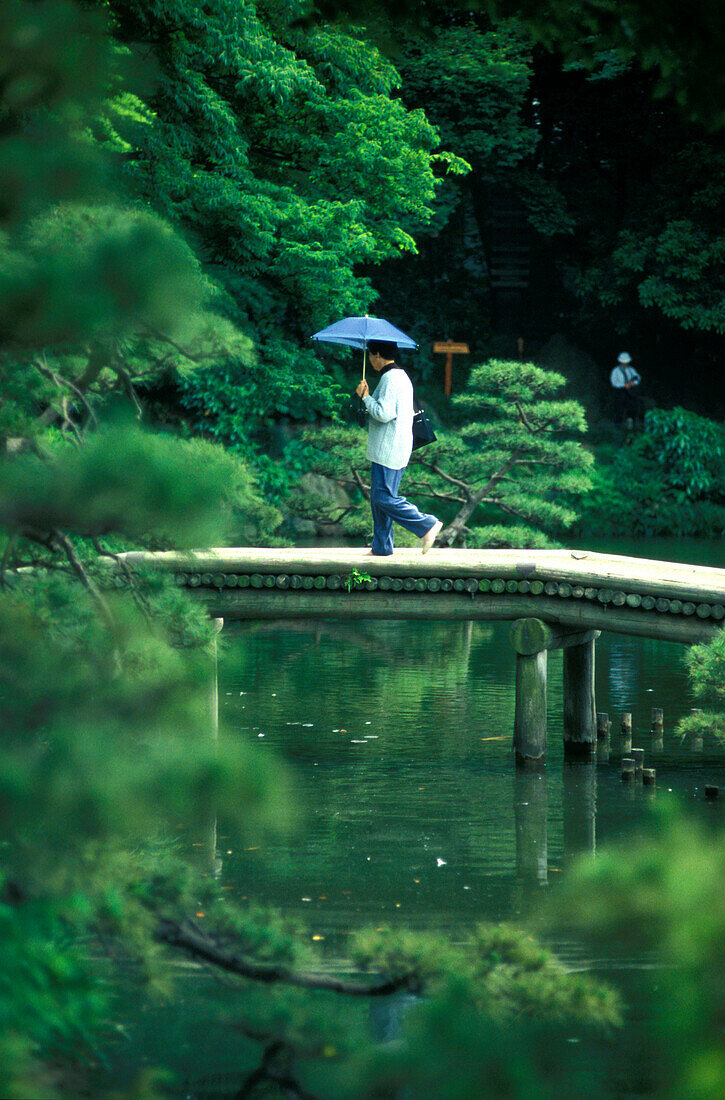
(555, 598)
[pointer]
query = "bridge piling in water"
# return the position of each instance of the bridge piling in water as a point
(532, 639)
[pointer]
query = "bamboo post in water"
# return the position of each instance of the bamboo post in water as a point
(626, 728)
(658, 743)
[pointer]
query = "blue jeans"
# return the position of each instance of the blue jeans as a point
(387, 506)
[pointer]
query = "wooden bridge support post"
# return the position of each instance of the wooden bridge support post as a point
(580, 711)
(532, 639)
(530, 713)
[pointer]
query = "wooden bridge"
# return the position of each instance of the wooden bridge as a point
(554, 598)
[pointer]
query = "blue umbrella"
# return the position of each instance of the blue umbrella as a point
(357, 332)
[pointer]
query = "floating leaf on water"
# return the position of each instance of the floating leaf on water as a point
(441, 862)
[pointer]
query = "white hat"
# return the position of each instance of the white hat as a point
(624, 358)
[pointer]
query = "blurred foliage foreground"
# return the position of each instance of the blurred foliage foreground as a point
(106, 746)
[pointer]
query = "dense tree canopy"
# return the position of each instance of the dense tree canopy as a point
(284, 151)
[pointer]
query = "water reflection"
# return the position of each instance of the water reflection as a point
(399, 736)
(531, 813)
(623, 671)
(579, 803)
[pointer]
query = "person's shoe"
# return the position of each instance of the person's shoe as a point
(430, 536)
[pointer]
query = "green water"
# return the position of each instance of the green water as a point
(399, 743)
(397, 739)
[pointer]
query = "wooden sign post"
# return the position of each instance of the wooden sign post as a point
(449, 349)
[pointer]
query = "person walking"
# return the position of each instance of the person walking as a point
(624, 380)
(390, 444)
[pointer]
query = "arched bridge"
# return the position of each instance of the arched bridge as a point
(555, 599)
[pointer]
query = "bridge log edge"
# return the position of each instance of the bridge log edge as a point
(267, 603)
(556, 566)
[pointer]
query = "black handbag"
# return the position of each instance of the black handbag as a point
(422, 430)
(358, 413)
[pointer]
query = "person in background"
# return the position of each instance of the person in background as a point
(625, 382)
(390, 444)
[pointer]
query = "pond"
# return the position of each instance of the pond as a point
(399, 740)
(397, 737)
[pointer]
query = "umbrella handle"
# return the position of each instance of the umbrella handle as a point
(365, 348)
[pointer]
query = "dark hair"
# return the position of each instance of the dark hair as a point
(383, 348)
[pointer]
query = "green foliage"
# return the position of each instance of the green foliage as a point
(691, 451)
(473, 79)
(668, 481)
(668, 255)
(105, 676)
(286, 151)
(509, 974)
(682, 51)
(706, 671)
(706, 666)
(129, 482)
(514, 455)
(662, 892)
(355, 579)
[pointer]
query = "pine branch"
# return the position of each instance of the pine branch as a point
(87, 581)
(164, 339)
(464, 486)
(128, 387)
(7, 552)
(364, 489)
(275, 1068)
(527, 423)
(426, 487)
(196, 943)
(139, 599)
(58, 380)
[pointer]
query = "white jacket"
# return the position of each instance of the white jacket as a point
(623, 374)
(390, 420)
